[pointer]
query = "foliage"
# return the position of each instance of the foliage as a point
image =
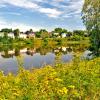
(91, 18)
(44, 34)
(59, 31)
(16, 33)
(6, 30)
(76, 38)
(72, 81)
(79, 32)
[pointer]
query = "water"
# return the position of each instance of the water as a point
(12, 58)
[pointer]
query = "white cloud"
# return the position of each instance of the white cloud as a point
(22, 3)
(32, 5)
(35, 5)
(50, 12)
(62, 9)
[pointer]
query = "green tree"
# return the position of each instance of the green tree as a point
(16, 33)
(91, 18)
(30, 30)
(6, 30)
(44, 33)
(38, 34)
(5, 35)
(79, 32)
(60, 31)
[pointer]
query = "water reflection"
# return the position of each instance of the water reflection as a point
(13, 57)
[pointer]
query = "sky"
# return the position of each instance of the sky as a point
(41, 14)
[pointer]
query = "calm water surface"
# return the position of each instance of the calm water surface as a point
(11, 59)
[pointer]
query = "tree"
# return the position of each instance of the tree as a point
(30, 30)
(79, 32)
(16, 33)
(44, 33)
(38, 34)
(5, 35)
(69, 34)
(58, 30)
(6, 30)
(91, 18)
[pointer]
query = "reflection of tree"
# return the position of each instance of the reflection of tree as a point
(17, 51)
(78, 47)
(58, 53)
(43, 50)
(20, 60)
(58, 57)
(30, 51)
(6, 50)
(69, 49)
(6, 54)
(19, 57)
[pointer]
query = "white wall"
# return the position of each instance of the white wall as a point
(24, 36)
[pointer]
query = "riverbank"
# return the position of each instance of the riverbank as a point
(78, 80)
(39, 41)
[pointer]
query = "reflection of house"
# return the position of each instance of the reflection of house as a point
(23, 50)
(17, 52)
(30, 51)
(7, 54)
(63, 48)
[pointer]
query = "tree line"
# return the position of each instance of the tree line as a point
(43, 33)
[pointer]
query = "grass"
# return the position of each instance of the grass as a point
(78, 80)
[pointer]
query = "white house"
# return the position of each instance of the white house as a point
(31, 35)
(1, 34)
(11, 35)
(21, 35)
(63, 35)
(24, 36)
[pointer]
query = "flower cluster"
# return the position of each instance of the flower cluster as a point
(72, 81)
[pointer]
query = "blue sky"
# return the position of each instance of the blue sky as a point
(38, 14)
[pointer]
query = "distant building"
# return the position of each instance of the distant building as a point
(11, 35)
(1, 34)
(63, 35)
(24, 36)
(31, 35)
(56, 34)
(21, 35)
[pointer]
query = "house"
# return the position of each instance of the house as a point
(56, 35)
(11, 35)
(63, 35)
(31, 35)
(24, 36)
(21, 35)
(1, 34)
